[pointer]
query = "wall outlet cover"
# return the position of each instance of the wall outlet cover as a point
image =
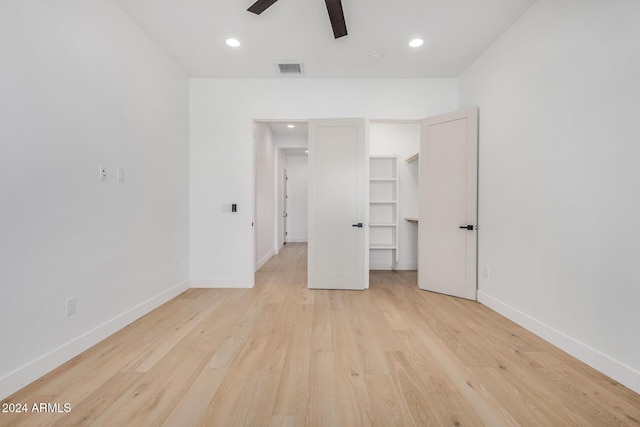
(71, 306)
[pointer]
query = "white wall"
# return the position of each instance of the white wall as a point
(297, 205)
(559, 178)
(82, 86)
(265, 194)
(285, 145)
(403, 140)
(222, 112)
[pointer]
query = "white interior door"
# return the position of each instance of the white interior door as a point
(338, 239)
(447, 236)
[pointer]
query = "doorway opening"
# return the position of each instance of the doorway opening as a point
(341, 174)
(280, 187)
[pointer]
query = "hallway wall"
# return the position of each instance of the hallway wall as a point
(297, 209)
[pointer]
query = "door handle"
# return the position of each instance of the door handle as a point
(467, 227)
(359, 225)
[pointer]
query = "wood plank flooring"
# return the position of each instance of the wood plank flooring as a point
(284, 355)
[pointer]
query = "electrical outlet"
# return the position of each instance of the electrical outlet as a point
(486, 272)
(120, 175)
(71, 306)
(103, 173)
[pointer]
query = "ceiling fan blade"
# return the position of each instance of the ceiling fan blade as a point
(336, 15)
(260, 6)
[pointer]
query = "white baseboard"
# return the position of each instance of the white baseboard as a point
(235, 283)
(296, 240)
(35, 369)
(620, 372)
(265, 258)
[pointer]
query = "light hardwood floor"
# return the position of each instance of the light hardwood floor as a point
(283, 355)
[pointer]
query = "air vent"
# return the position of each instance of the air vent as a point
(289, 68)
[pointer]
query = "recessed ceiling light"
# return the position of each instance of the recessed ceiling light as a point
(374, 56)
(306, 151)
(416, 42)
(233, 42)
(291, 126)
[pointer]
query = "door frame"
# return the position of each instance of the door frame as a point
(251, 268)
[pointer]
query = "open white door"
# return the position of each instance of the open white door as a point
(447, 236)
(338, 239)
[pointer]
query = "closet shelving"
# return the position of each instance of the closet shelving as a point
(413, 158)
(383, 205)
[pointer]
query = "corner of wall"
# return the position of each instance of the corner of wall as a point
(33, 370)
(620, 372)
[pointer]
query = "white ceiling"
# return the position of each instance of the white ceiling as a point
(456, 32)
(281, 130)
(293, 141)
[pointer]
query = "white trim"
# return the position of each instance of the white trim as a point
(251, 265)
(618, 371)
(35, 369)
(233, 283)
(265, 258)
(296, 240)
(417, 121)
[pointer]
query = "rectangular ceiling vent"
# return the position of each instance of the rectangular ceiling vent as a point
(289, 68)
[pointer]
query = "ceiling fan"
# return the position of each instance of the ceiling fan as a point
(334, 7)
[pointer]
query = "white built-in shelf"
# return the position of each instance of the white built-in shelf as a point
(389, 246)
(413, 158)
(411, 218)
(383, 207)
